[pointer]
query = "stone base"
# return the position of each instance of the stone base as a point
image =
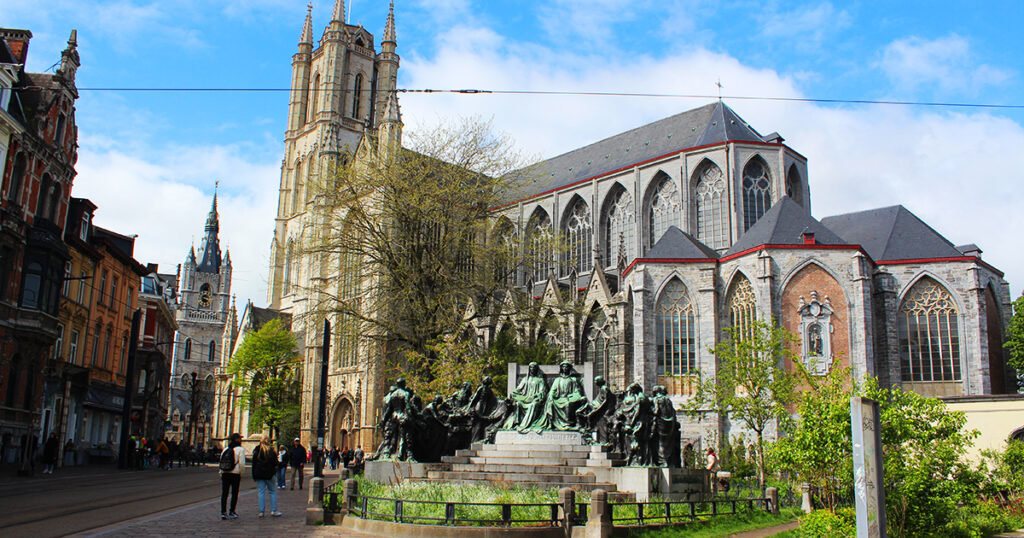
(394, 472)
(510, 437)
(646, 482)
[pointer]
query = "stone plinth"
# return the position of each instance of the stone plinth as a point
(508, 437)
(394, 472)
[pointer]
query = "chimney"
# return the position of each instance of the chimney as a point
(17, 40)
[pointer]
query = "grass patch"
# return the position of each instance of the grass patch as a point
(723, 525)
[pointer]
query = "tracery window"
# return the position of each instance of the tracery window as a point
(351, 288)
(578, 235)
(188, 349)
(929, 334)
(357, 95)
(676, 337)
(711, 202)
(213, 351)
(503, 243)
(599, 343)
(664, 209)
(314, 100)
(757, 192)
(742, 306)
(297, 189)
(618, 228)
(539, 243)
(289, 254)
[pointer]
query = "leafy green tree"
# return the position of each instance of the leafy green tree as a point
(818, 449)
(268, 369)
(1015, 339)
(752, 385)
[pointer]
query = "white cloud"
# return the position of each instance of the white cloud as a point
(590, 20)
(945, 63)
(805, 28)
(165, 201)
(948, 168)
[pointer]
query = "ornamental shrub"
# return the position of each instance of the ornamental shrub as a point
(828, 524)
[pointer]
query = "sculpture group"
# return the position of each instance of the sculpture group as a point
(643, 429)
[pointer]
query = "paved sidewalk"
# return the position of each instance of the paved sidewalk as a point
(203, 518)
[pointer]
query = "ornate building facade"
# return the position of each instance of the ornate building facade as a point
(674, 232)
(204, 304)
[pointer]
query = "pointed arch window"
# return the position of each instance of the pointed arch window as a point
(188, 349)
(351, 289)
(539, 244)
(287, 281)
(710, 201)
(297, 188)
(357, 95)
(213, 351)
(503, 245)
(795, 185)
(617, 230)
(599, 343)
(664, 208)
(741, 304)
(579, 234)
(676, 338)
(929, 334)
(757, 192)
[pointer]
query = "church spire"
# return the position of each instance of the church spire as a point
(209, 251)
(389, 27)
(307, 28)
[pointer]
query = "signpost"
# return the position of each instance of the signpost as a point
(868, 486)
(321, 420)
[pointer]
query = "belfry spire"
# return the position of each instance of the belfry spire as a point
(307, 28)
(209, 250)
(389, 28)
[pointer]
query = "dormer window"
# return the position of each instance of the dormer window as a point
(83, 229)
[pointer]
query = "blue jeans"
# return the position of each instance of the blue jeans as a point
(282, 473)
(263, 486)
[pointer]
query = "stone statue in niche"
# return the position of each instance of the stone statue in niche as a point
(816, 333)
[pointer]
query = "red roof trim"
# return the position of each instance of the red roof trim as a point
(816, 246)
(641, 163)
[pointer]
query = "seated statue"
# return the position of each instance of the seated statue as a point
(527, 402)
(564, 398)
(596, 417)
(460, 423)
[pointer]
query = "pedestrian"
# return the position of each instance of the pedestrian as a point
(335, 456)
(296, 460)
(712, 460)
(264, 468)
(282, 466)
(346, 457)
(232, 462)
(163, 453)
(357, 458)
(50, 453)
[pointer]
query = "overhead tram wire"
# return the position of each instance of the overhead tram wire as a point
(467, 91)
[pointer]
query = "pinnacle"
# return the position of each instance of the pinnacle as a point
(339, 11)
(307, 28)
(73, 40)
(389, 28)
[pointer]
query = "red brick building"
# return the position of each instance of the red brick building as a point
(34, 193)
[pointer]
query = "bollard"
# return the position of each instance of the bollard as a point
(805, 499)
(772, 494)
(599, 522)
(315, 504)
(567, 498)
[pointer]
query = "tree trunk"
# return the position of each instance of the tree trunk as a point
(761, 477)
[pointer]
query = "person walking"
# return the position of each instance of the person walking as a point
(282, 466)
(264, 468)
(357, 459)
(50, 451)
(296, 460)
(232, 462)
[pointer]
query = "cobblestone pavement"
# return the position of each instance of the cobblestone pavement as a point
(203, 518)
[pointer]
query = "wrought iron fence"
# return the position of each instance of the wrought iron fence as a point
(448, 513)
(667, 512)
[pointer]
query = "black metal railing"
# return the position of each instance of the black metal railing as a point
(448, 513)
(667, 512)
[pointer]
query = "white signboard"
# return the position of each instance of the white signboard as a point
(868, 487)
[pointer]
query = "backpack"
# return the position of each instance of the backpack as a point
(227, 459)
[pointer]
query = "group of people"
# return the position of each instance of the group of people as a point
(644, 429)
(267, 465)
(144, 453)
(346, 458)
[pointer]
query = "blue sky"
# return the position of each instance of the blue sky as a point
(150, 160)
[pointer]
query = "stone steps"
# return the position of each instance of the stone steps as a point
(513, 477)
(541, 485)
(514, 468)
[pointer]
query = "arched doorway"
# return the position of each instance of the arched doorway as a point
(341, 424)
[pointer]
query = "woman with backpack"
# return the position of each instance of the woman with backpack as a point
(232, 461)
(264, 469)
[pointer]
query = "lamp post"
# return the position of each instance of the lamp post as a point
(321, 421)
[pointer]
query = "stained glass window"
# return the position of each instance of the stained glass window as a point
(711, 202)
(676, 339)
(664, 210)
(757, 192)
(929, 334)
(578, 235)
(742, 306)
(618, 228)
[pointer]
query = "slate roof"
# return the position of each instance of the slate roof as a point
(891, 233)
(261, 316)
(677, 244)
(710, 124)
(784, 224)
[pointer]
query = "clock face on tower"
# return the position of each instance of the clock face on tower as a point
(204, 299)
